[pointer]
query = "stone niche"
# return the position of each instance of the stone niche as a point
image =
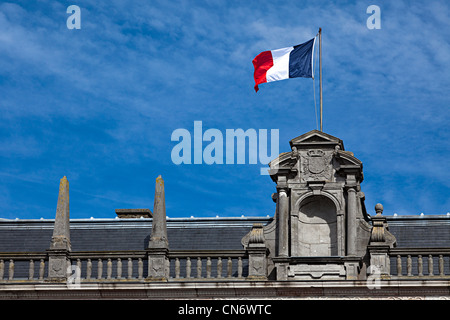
(317, 227)
(320, 228)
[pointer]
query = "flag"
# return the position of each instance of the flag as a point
(285, 63)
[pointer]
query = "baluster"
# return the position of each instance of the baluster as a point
(89, 269)
(130, 268)
(99, 269)
(240, 267)
(108, 269)
(430, 265)
(219, 267)
(441, 265)
(119, 268)
(11, 269)
(229, 267)
(41, 269)
(140, 269)
(188, 267)
(31, 270)
(208, 267)
(2, 269)
(199, 267)
(399, 265)
(409, 265)
(177, 268)
(420, 265)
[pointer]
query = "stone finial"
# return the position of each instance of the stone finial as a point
(378, 222)
(158, 238)
(379, 209)
(61, 231)
(381, 240)
(256, 234)
(380, 229)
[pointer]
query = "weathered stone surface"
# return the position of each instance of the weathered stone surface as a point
(381, 240)
(61, 231)
(257, 254)
(320, 182)
(158, 261)
(158, 237)
(317, 234)
(158, 265)
(57, 265)
(326, 289)
(314, 272)
(60, 243)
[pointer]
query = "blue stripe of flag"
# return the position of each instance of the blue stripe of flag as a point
(300, 60)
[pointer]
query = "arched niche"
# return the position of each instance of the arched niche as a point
(317, 227)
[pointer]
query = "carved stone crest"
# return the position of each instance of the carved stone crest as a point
(316, 165)
(316, 161)
(57, 266)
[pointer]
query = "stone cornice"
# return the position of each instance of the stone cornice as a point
(388, 289)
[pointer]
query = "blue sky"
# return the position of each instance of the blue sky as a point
(99, 104)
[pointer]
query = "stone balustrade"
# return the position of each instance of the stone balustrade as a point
(207, 265)
(23, 266)
(226, 265)
(95, 266)
(110, 266)
(420, 262)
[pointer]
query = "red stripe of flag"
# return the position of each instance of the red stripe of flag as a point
(262, 63)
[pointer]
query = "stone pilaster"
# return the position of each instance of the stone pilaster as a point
(283, 217)
(60, 244)
(351, 220)
(158, 247)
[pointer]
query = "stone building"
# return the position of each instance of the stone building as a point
(320, 243)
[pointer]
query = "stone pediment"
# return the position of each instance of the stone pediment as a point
(315, 138)
(284, 160)
(347, 158)
(316, 156)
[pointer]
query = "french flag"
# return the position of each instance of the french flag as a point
(285, 63)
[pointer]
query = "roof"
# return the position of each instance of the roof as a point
(422, 231)
(128, 234)
(33, 235)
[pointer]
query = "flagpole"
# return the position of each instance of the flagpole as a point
(320, 78)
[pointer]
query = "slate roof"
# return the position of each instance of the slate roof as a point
(420, 231)
(189, 233)
(127, 234)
